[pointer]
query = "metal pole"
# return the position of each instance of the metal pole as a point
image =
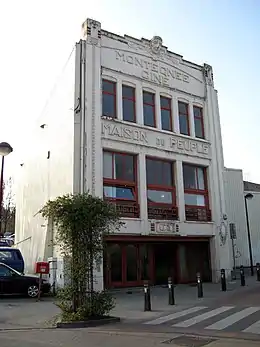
(1, 192)
(249, 240)
(147, 297)
(171, 291)
(242, 276)
(258, 271)
(234, 259)
(223, 281)
(199, 286)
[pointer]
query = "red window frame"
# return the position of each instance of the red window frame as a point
(122, 183)
(150, 104)
(203, 192)
(169, 100)
(159, 187)
(186, 115)
(109, 93)
(133, 99)
(200, 118)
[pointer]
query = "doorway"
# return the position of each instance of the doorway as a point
(165, 262)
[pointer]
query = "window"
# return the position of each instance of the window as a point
(195, 193)
(166, 113)
(160, 189)
(184, 118)
(119, 181)
(128, 95)
(5, 271)
(149, 109)
(198, 121)
(108, 99)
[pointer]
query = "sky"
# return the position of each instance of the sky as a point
(37, 37)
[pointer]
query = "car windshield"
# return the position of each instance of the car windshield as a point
(5, 255)
(4, 268)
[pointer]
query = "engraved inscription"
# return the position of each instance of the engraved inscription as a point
(152, 71)
(124, 132)
(149, 138)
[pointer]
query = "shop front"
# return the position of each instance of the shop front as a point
(129, 261)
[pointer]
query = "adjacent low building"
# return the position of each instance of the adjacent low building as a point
(143, 132)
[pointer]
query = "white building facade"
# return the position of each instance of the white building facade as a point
(145, 134)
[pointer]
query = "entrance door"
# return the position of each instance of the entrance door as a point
(165, 262)
(127, 265)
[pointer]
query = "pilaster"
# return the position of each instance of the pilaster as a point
(180, 191)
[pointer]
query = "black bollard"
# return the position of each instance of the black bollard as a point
(257, 271)
(199, 285)
(171, 291)
(147, 297)
(242, 276)
(223, 280)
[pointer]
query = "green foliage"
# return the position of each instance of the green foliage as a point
(81, 222)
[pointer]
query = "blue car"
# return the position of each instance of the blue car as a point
(12, 257)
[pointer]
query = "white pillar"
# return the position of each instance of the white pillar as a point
(158, 120)
(180, 190)
(191, 120)
(139, 104)
(119, 100)
(142, 187)
(175, 115)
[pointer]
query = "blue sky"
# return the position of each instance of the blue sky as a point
(36, 38)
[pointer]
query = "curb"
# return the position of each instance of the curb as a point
(88, 323)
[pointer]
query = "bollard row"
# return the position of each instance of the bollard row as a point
(171, 296)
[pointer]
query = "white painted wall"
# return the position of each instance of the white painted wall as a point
(234, 194)
(39, 178)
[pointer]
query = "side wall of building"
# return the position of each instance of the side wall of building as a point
(46, 171)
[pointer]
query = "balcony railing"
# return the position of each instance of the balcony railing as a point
(199, 214)
(162, 212)
(127, 208)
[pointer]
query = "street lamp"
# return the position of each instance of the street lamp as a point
(249, 196)
(5, 149)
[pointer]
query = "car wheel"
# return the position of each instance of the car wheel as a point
(33, 291)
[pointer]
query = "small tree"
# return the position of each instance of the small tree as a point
(81, 222)
(8, 208)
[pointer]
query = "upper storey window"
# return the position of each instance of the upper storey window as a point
(198, 121)
(108, 99)
(149, 109)
(166, 113)
(128, 95)
(183, 109)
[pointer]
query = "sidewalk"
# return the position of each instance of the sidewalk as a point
(131, 306)
(83, 337)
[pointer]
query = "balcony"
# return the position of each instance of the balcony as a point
(162, 212)
(127, 208)
(199, 214)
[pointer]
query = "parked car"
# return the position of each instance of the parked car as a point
(14, 282)
(12, 257)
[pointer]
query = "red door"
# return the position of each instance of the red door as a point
(127, 265)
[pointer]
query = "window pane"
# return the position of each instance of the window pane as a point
(108, 87)
(167, 173)
(118, 193)
(148, 98)
(128, 110)
(108, 105)
(165, 102)
(198, 128)
(200, 174)
(184, 125)
(194, 200)
(129, 174)
(183, 108)
(107, 165)
(189, 177)
(197, 111)
(159, 172)
(149, 116)
(159, 196)
(5, 272)
(119, 166)
(166, 120)
(128, 92)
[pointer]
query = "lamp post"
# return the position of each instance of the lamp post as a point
(5, 149)
(249, 196)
